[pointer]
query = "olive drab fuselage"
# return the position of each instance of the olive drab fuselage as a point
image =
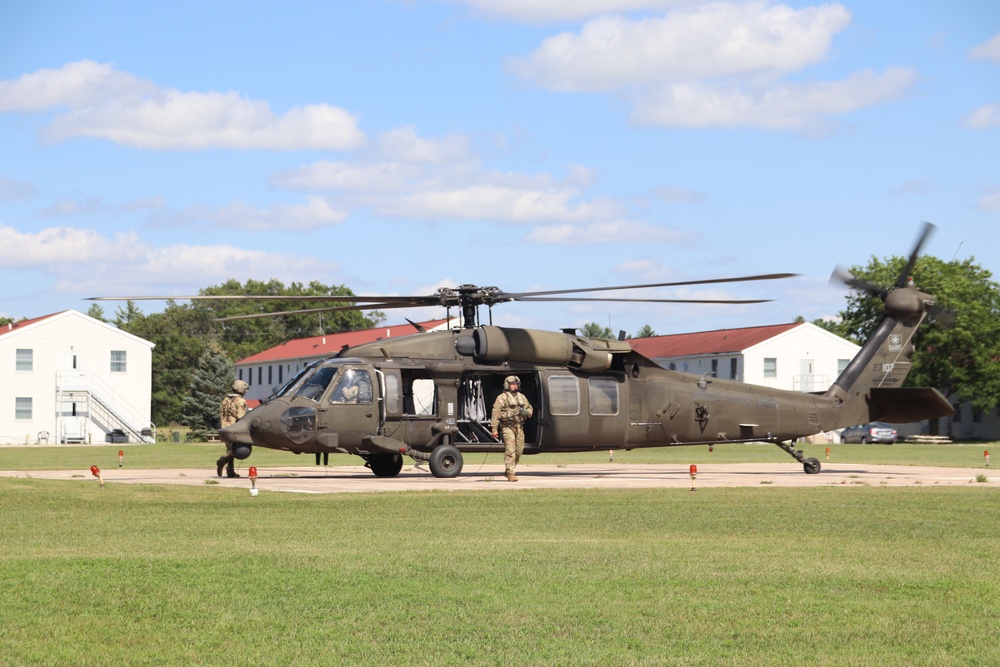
(428, 396)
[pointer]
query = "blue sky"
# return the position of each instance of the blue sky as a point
(397, 146)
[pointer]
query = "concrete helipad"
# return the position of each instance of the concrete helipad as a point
(356, 479)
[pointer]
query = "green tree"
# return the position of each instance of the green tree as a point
(211, 380)
(97, 312)
(595, 330)
(958, 349)
(124, 315)
(182, 336)
(645, 332)
(184, 333)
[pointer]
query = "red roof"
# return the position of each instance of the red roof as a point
(331, 344)
(723, 341)
(14, 326)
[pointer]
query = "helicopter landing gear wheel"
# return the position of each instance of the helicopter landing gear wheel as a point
(445, 461)
(811, 466)
(385, 465)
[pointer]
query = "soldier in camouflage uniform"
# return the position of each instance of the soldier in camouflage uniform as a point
(234, 406)
(510, 411)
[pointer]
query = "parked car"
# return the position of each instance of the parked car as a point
(116, 435)
(871, 432)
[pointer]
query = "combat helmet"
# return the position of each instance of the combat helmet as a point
(509, 380)
(240, 387)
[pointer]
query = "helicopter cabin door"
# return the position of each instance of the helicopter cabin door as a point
(584, 412)
(352, 408)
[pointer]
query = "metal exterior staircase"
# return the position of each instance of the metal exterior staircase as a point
(84, 400)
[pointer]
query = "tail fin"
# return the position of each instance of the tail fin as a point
(870, 388)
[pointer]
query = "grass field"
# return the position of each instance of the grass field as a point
(205, 575)
(128, 575)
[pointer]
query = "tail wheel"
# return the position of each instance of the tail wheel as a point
(446, 461)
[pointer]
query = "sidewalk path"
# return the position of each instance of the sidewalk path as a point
(356, 479)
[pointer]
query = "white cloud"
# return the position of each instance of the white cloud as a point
(985, 117)
(107, 104)
(720, 64)
(12, 190)
(715, 40)
(402, 144)
(988, 50)
(679, 195)
(618, 231)
(86, 263)
(545, 11)
(316, 213)
(442, 179)
(990, 200)
(799, 107)
(917, 186)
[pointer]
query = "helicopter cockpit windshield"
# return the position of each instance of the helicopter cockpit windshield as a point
(314, 385)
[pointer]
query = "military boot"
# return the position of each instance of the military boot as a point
(219, 465)
(231, 470)
(509, 474)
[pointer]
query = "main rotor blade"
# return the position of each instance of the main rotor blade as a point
(309, 311)
(519, 296)
(583, 298)
(428, 300)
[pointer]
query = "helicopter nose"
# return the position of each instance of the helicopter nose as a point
(237, 437)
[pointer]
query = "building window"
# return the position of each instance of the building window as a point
(715, 368)
(118, 361)
(732, 368)
(281, 374)
(270, 374)
(842, 365)
(23, 409)
(25, 360)
(770, 367)
(260, 375)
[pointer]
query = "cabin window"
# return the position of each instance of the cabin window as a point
(770, 367)
(603, 396)
(420, 397)
(23, 408)
(355, 386)
(118, 361)
(564, 395)
(25, 360)
(392, 393)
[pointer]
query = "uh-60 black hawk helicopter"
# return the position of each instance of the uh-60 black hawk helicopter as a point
(425, 395)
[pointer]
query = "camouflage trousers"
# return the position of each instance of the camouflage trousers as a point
(513, 445)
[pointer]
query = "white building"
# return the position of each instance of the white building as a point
(68, 378)
(799, 356)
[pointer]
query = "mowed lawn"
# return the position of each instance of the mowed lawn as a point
(146, 575)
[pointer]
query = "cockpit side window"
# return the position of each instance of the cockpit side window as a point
(355, 386)
(316, 384)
